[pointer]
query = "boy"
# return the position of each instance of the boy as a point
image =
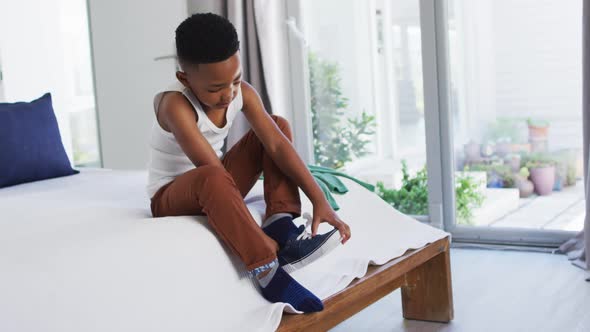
(188, 174)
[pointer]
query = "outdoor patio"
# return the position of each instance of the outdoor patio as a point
(562, 210)
(502, 207)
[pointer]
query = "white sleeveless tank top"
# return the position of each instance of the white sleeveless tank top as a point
(167, 160)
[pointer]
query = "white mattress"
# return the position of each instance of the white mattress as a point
(82, 253)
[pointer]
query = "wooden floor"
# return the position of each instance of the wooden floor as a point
(497, 291)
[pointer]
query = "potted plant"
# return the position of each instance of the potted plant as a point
(566, 169)
(498, 174)
(524, 185)
(538, 132)
(513, 161)
(542, 169)
(560, 175)
(505, 172)
(570, 178)
(538, 129)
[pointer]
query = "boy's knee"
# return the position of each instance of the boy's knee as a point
(213, 171)
(283, 125)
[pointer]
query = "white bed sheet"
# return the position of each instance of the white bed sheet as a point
(82, 253)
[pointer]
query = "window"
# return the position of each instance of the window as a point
(46, 48)
(516, 94)
(483, 89)
(365, 77)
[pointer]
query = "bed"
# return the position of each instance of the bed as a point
(82, 253)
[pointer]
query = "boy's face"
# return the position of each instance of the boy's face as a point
(214, 84)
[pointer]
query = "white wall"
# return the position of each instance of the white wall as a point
(538, 54)
(126, 36)
(519, 59)
(539, 65)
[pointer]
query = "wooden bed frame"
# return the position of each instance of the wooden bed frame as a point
(424, 276)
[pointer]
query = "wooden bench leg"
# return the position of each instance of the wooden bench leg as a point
(427, 294)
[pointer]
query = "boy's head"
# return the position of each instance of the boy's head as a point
(207, 48)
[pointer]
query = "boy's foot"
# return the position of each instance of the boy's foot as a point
(303, 249)
(297, 247)
(278, 286)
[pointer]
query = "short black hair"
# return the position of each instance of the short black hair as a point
(205, 38)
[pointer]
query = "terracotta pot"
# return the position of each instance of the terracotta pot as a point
(544, 179)
(517, 148)
(538, 132)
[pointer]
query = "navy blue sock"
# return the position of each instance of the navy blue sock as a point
(280, 230)
(283, 288)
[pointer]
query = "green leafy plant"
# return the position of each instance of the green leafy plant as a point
(336, 139)
(524, 172)
(467, 198)
(566, 160)
(412, 197)
(538, 160)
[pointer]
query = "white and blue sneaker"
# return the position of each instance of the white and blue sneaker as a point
(297, 247)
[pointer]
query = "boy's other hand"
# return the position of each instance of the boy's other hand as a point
(324, 213)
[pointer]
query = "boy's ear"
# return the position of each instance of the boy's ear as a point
(181, 77)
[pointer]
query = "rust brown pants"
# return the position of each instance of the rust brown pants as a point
(219, 193)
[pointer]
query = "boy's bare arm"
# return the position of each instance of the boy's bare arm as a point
(176, 115)
(284, 155)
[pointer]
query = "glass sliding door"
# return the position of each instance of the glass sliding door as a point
(466, 113)
(514, 93)
(366, 97)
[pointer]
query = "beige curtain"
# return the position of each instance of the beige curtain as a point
(578, 248)
(263, 48)
(241, 14)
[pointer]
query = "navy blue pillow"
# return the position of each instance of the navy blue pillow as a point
(30, 143)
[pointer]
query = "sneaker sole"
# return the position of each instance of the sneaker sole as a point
(330, 244)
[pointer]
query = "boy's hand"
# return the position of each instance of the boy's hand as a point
(324, 212)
